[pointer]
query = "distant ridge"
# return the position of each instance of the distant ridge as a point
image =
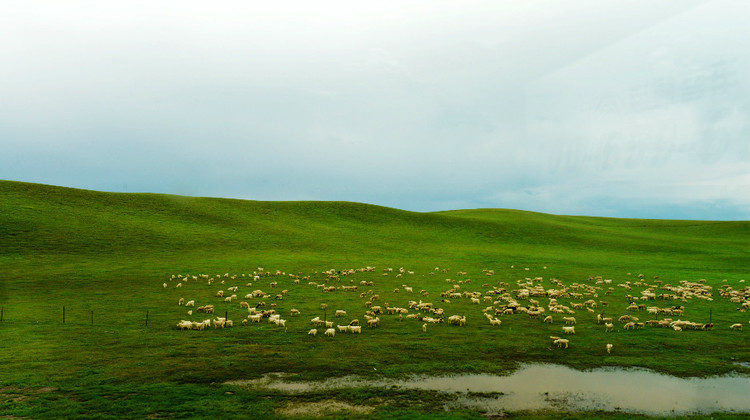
(38, 219)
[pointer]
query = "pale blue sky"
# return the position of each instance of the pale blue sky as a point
(637, 108)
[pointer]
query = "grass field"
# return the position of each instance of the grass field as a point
(105, 257)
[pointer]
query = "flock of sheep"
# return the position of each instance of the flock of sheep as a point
(493, 299)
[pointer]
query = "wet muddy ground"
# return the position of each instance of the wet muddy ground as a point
(544, 387)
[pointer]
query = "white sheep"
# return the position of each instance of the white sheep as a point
(190, 303)
(313, 332)
(424, 327)
(609, 327)
(355, 329)
(736, 327)
(562, 342)
(569, 320)
(181, 301)
(330, 332)
(609, 348)
(569, 330)
(340, 312)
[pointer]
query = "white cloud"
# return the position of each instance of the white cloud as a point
(412, 104)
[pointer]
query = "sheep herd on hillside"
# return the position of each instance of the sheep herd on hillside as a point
(558, 304)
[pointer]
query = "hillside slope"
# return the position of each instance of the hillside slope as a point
(61, 222)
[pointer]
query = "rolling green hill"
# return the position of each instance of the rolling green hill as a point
(105, 257)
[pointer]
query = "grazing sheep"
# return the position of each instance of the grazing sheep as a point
(313, 332)
(424, 327)
(294, 312)
(609, 348)
(569, 330)
(340, 312)
(244, 322)
(562, 342)
(548, 319)
(330, 332)
(355, 329)
(181, 301)
(737, 327)
(190, 303)
(244, 304)
(569, 320)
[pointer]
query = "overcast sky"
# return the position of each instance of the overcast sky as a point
(637, 108)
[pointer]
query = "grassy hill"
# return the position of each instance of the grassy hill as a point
(106, 256)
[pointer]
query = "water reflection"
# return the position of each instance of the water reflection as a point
(537, 386)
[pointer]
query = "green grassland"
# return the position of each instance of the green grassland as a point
(106, 256)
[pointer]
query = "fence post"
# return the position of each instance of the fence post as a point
(92, 317)
(63, 314)
(2, 310)
(147, 317)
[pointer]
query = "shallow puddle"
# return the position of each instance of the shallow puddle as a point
(537, 386)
